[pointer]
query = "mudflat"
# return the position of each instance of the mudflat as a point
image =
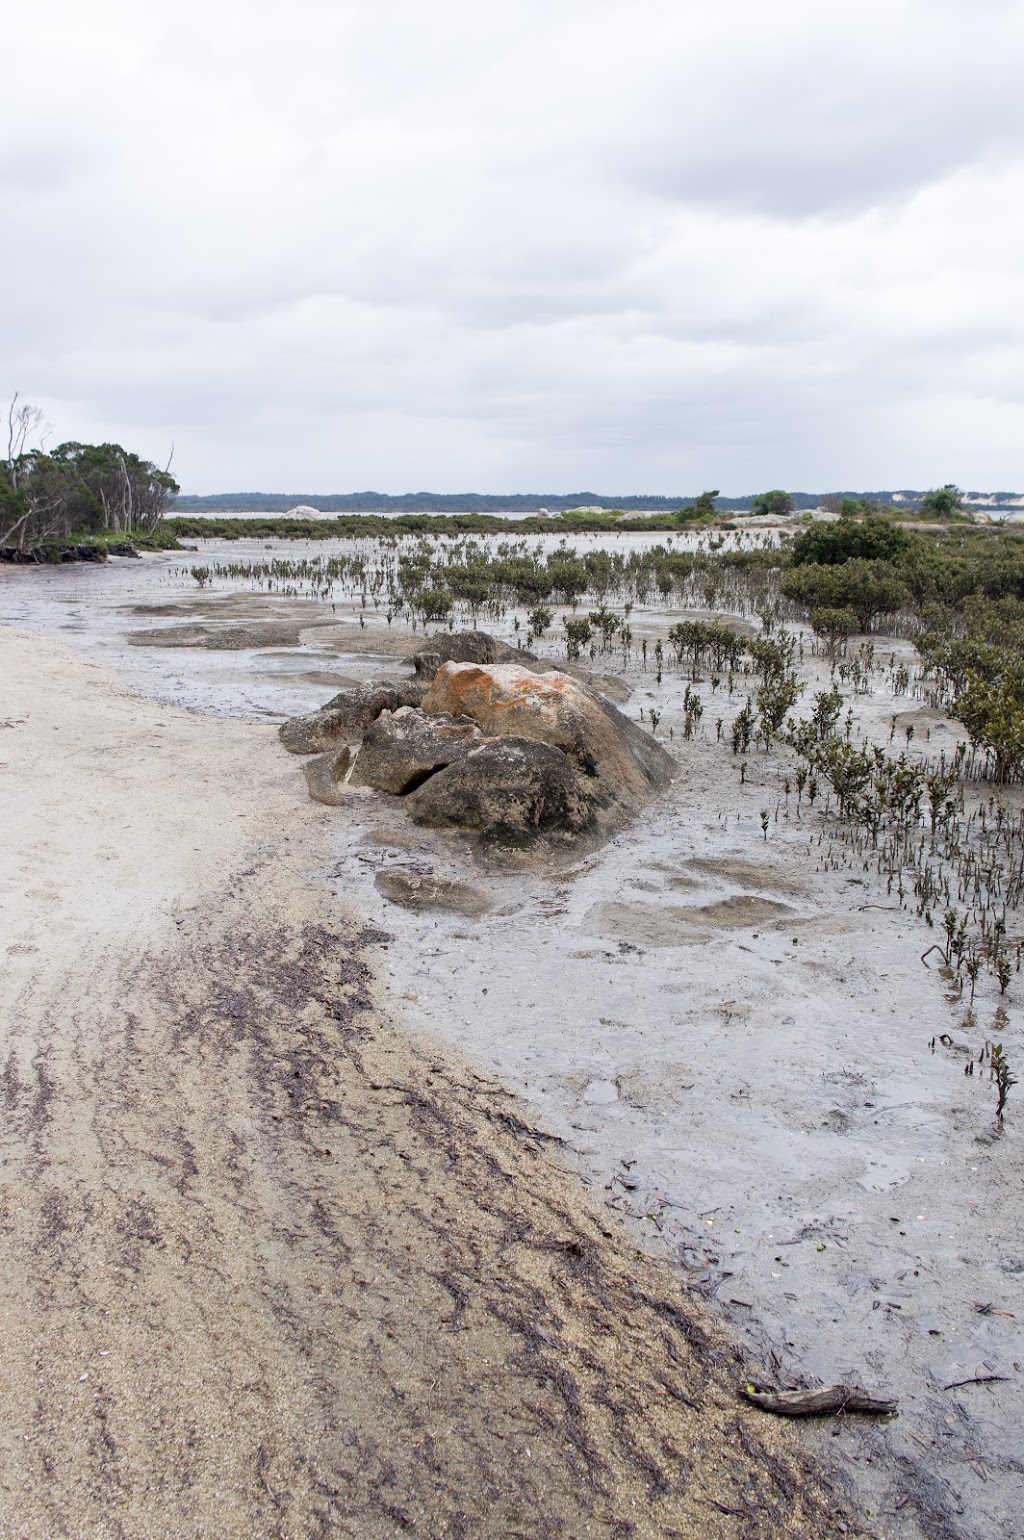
(272, 1265)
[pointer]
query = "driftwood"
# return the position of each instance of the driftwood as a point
(815, 1403)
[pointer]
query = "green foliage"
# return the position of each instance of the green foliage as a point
(940, 784)
(943, 502)
(473, 588)
(159, 538)
(698, 639)
(983, 686)
(776, 502)
(578, 632)
(873, 788)
(433, 603)
(772, 658)
(607, 622)
(999, 1068)
(868, 588)
(207, 525)
(828, 706)
(831, 544)
(539, 620)
(743, 729)
(569, 578)
(693, 710)
(859, 507)
(775, 699)
(992, 710)
(77, 489)
(702, 508)
(519, 577)
(834, 627)
(958, 659)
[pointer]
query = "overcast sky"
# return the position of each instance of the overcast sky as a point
(543, 245)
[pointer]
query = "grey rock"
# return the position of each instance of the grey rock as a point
(325, 776)
(618, 765)
(402, 748)
(611, 685)
(511, 791)
(470, 647)
(407, 692)
(346, 716)
(426, 665)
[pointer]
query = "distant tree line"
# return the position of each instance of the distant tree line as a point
(48, 496)
(520, 503)
(943, 503)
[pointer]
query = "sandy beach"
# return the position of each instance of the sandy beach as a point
(271, 1265)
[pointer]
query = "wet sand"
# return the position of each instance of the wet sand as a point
(750, 1092)
(272, 1265)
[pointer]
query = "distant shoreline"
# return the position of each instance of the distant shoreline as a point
(525, 505)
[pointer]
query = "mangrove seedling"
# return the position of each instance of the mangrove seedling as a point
(999, 1071)
(949, 924)
(577, 632)
(828, 706)
(743, 730)
(693, 710)
(972, 965)
(1004, 972)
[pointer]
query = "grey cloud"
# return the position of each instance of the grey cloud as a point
(644, 247)
(795, 128)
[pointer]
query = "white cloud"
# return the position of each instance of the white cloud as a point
(638, 247)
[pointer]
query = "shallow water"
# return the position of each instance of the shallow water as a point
(751, 1087)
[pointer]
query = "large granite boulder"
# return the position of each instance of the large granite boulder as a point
(511, 791)
(514, 755)
(600, 743)
(480, 647)
(346, 716)
(402, 748)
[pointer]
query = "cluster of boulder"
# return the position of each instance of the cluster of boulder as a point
(485, 739)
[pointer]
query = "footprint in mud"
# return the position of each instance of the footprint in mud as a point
(681, 924)
(737, 912)
(746, 874)
(884, 1172)
(418, 892)
(324, 677)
